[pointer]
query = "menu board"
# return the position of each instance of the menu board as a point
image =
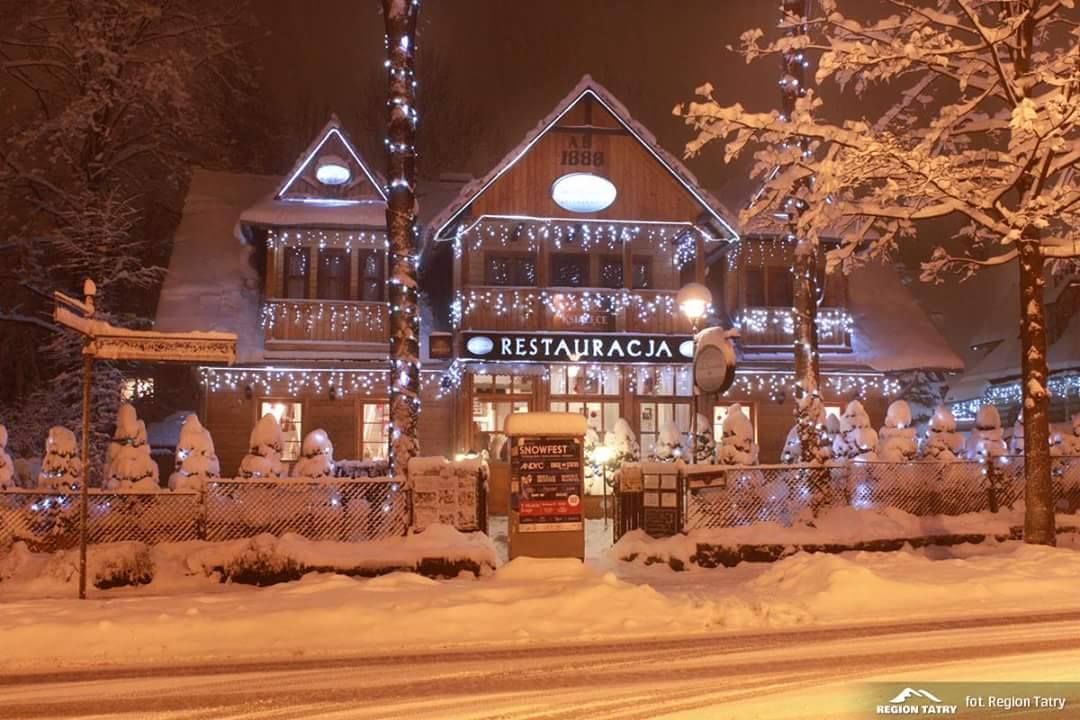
(661, 504)
(549, 473)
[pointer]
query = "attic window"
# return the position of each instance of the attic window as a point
(332, 170)
(583, 192)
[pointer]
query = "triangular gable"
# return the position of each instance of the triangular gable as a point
(588, 88)
(332, 142)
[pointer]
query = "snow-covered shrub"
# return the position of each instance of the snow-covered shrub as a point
(624, 442)
(896, 441)
(942, 442)
(593, 472)
(986, 439)
(704, 443)
(856, 440)
(264, 456)
(7, 467)
(1067, 443)
(1016, 442)
(737, 446)
(668, 443)
(61, 468)
(828, 428)
(130, 467)
(108, 565)
(196, 460)
(317, 456)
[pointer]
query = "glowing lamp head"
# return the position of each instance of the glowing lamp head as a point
(583, 192)
(332, 170)
(603, 454)
(694, 300)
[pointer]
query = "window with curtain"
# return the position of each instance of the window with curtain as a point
(297, 271)
(333, 277)
(375, 431)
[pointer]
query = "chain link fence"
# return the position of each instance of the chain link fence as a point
(339, 509)
(717, 496)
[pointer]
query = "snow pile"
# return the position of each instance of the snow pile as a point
(196, 460)
(107, 566)
(129, 467)
(704, 442)
(986, 439)
(317, 457)
(942, 442)
(896, 441)
(264, 455)
(7, 467)
(1067, 443)
(445, 492)
(61, 468)
(856, 440)
(737, 446)
(668, 444)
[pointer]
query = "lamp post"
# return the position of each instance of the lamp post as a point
(694, 300)
(602, 455)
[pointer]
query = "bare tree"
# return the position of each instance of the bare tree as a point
(984, 127)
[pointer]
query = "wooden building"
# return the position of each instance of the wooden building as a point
(548, 284)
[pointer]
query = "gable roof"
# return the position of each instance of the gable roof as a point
(587, 87)
(300, 200)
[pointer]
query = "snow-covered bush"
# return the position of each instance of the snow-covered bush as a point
(737, 446)
(1016, 442)
(130, 466)
(317, 459)
(896, 441)
(829, 427)
(624, 443)
(704, 443)
(61, 468)
(856, 440)
(7, 467)
(593, 472)
(668, 443)
(986, 439)
(942, 442)
(1067, 443)
(264, 456)
(196, 460)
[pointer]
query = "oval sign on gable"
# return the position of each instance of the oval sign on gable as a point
(583, 192)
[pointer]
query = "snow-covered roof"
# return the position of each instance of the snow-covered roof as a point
(301, 199)
(892, 332)
(211, 284)
(587, 86)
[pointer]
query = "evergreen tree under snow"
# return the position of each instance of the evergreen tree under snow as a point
(61, 468)
(896, 441)
(7, 467)
(704, 442)
(264, 454)
(986, 439)
(317, 457)
(857, 440)
(668, 443)
(942, 443)
(196, 460)
(130, 466)
(737, 446)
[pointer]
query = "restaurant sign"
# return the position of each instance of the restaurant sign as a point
(552, 347)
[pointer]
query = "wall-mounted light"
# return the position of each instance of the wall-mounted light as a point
(583, 192)
(332, 170)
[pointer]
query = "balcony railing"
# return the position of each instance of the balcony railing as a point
(577, 309)
(774, 327)
(290, 321)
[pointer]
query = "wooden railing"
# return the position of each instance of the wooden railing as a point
(325, 321)
(571, 309)
(773, 327)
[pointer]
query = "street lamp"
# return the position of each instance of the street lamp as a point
(602, 455)
(694, 300)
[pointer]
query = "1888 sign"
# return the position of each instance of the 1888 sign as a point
(580, 153)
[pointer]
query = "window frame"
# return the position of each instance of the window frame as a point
(322, 276)
(579, 259)
(287, 275)
(517, 261)
(286, 457)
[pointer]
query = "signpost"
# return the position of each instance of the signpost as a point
(106, 342)
(547, 465)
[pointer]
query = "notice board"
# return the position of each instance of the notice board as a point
(549, 474)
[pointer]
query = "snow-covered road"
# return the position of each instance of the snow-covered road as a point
(808, 673)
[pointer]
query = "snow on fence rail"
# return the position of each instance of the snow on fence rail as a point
(347, 510)
(722, 496)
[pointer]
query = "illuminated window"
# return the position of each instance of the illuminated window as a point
(580, 380)
(600, 416)
(653, 416)
(289, 415)
(837, 410)
(137, 388)
(375, 431)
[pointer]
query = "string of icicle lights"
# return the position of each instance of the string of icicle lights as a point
(758, 320)
(346, 239)
(341, 318)
(525, 302)
(294, 381)
(1059, 386)
(528, 233)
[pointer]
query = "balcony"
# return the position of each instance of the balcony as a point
(773, 329)
(319, 325)
(530, 309)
